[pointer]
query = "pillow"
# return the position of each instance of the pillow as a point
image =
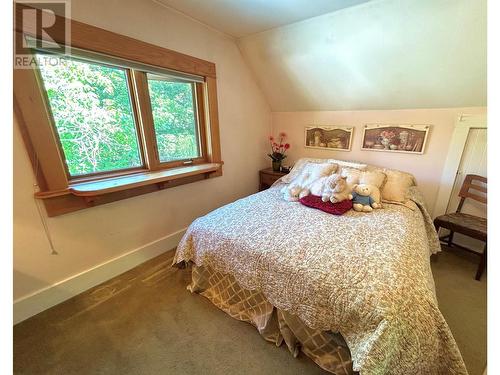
(314, 201)
(373, 178)
(349, 164)
(396, 185)
(310, 172)
(299, 165)
(352, 176)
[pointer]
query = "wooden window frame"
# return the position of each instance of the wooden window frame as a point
(137, 125)
(62, 193)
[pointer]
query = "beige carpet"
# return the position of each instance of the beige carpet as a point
(146, 322)
(462, 300)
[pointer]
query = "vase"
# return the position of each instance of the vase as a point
(385, 142)
(276, 166)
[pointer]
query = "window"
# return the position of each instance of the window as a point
(115, 119)
(92, 113)
(175, 118)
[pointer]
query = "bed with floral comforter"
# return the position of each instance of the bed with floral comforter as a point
(364, 275)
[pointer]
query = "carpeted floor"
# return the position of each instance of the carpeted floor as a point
(146, 322)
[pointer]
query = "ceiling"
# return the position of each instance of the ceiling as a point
(240, 18)
(390, 54)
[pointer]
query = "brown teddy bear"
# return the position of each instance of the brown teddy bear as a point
(363, 199)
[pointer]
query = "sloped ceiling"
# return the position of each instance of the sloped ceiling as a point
(240, 18)
(384, 54)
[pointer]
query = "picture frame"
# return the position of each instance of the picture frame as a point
(328, 137)
(407, 139)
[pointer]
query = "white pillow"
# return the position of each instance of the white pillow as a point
(349, 164)
(299, 165)
(309, 173)
(297, 168)
(352, 176)
(396, 185)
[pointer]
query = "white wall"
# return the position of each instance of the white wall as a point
(427, 168)
(90, 237)
(383, 54)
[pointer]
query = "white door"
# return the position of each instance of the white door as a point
(473, 161)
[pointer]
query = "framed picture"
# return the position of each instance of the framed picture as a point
(410, 139)
(328, 137)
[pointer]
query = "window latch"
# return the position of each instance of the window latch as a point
(190, 161)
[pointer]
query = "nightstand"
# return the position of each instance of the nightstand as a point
(268, 177)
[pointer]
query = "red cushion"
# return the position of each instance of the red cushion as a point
(332, 208)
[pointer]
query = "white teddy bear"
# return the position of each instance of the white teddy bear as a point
(300, 188)
(302, 184)
(331, 188)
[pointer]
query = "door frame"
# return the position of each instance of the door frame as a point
(457, 146)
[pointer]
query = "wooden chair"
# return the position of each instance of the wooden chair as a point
(469, 225)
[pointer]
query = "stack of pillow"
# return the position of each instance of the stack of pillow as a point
(390, 186)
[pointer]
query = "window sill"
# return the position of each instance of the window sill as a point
(88, 194)
(95, 188)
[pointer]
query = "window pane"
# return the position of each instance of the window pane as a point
(93, 116)
(174, 118)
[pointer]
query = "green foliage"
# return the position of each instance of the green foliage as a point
(173, 116)
(91, 107)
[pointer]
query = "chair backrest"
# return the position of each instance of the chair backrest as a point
(468, 185)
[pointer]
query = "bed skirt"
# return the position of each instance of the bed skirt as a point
(325, 348)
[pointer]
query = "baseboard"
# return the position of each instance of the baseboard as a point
(45, 298)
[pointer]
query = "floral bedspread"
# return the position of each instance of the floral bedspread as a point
(365, 275)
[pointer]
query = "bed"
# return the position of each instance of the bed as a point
(355, 292)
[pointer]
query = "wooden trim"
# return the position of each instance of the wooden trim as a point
(145, 114)
(96, 188)
(35, 122)
(182, 163)
(103, 41)
(108, 174)
(202, 121)
(51, 193)
(120, 183)
(53, 126)
(65, 203)
(214, 152)
(40, 178)
(135, 113)
(62, 193)
(84, 195)
(199, 112)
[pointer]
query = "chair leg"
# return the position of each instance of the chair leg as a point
(450, 239)
(482, 265)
